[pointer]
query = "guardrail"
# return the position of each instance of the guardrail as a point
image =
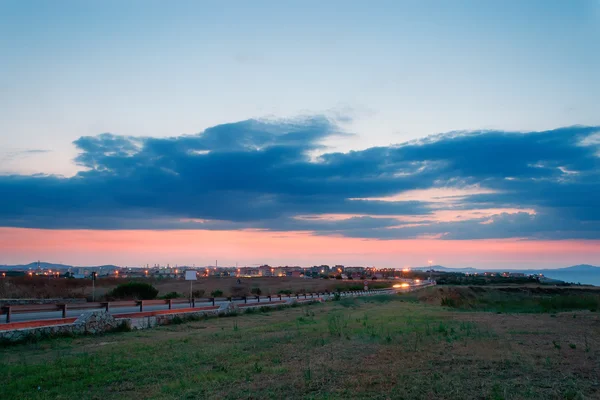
(9, 310)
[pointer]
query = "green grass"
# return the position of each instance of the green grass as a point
(522, 301)
(374, 347)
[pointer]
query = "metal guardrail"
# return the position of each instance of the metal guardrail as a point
(9, 310)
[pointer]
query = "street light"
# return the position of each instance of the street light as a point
(430, 268)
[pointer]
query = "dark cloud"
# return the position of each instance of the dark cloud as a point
(259, 174)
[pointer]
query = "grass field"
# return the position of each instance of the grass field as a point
(379, 347)
(513, 299)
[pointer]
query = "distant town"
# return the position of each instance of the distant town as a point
(178, 272)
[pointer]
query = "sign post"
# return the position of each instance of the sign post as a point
(190, 276)
(366, 285)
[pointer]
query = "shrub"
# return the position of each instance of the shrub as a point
(134, 291)
(256, 291)
(238, 291)
(350, 288)
(171, 295)
(285, 291)
(123, 327)
(198, 293)
(448, 302)
(216, 293)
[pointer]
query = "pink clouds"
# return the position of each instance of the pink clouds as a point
(139, 247)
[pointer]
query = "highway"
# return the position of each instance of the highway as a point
(48, 315)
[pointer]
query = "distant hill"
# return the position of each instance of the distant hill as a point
(574, 268)
(47, 265)
(581, 267)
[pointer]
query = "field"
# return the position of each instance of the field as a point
(43, 287)
(404, 346)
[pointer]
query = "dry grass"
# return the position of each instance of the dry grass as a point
(43, 287)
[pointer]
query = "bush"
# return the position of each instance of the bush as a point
(238, 291)
(198, 293)
(216, 293)
(134, 291)
(256, 291)
(171, 295)
(285, 291)
(448, 302)
(349, 288)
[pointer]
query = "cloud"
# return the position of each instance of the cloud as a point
(10, 155)
(259, 174)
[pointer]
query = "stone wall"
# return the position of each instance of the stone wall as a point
(166, 319)
(19, 335)
(88, 323)
(96, 322)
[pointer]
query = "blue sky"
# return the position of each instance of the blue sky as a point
(399, 70)
(391, 121)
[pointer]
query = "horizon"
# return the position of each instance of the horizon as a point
(193, 266)
(337, 133)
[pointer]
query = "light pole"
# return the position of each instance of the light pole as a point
(430, 269)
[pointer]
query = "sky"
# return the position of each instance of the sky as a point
(383, 133)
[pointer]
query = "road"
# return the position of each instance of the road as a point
(46, 315)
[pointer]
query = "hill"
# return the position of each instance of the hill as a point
(48, 265)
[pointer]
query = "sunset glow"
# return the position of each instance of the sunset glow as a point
(203, 247)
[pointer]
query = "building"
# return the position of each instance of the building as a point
(354, 270)
(265, 270)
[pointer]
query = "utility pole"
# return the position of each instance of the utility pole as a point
(94, 286)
